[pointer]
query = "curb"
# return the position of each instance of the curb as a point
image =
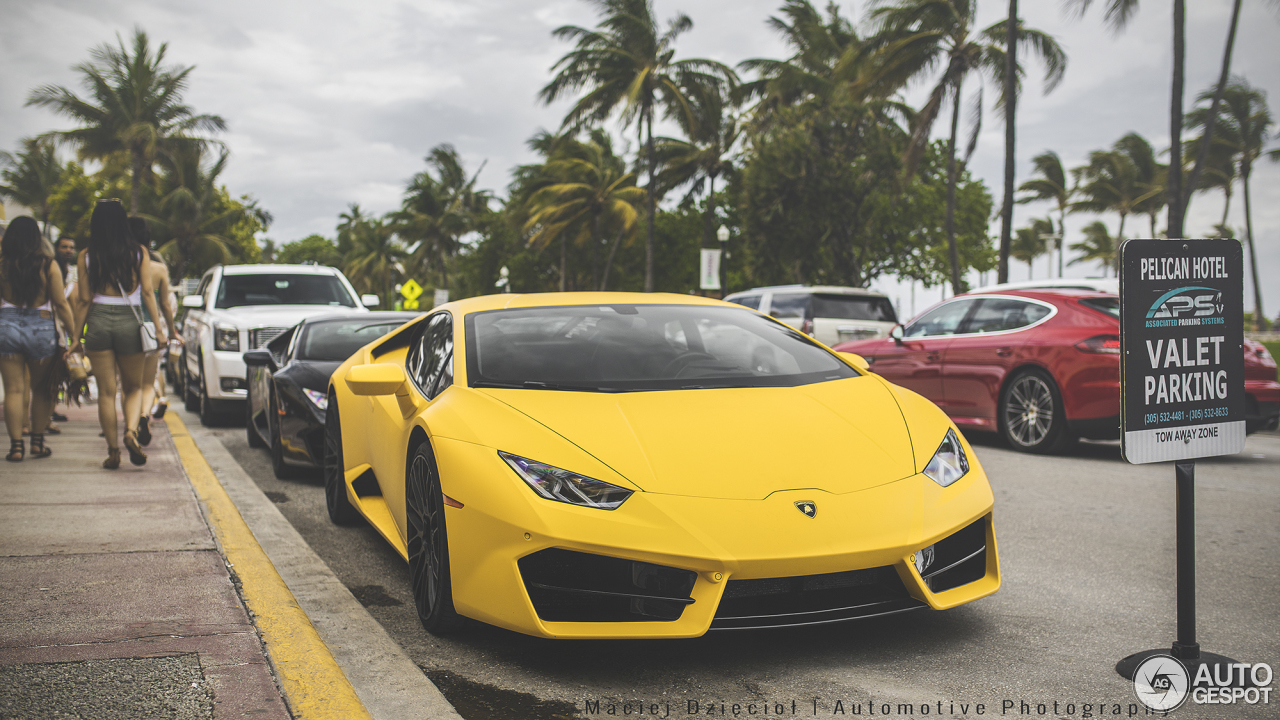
(313, 683)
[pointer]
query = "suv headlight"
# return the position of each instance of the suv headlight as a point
(553, 483)
(949, 463)
(226, 338)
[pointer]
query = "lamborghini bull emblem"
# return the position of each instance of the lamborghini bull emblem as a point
(807, 507)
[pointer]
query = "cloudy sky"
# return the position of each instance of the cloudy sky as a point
(331, 102)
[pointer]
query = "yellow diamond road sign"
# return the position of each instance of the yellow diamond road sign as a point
(411, 290)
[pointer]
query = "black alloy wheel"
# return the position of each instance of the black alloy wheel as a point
(283, 470)
(341, 512)
(1032, 418)
(190, 398)
(429, 544)
(251, 430)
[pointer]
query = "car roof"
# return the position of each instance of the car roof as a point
(1039, 293)
(269, 269)
(812, 289)
(1107, 285)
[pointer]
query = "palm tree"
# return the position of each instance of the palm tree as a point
(1111, 183)
(439, 210)
(1218, 171)
(1098, 246)
(592, 197)
(1150, 175)
(1030, 242)
(1050, 185)
(375, 262)
(31, 176)
(134, 106)
(192, 215)
(627, 64)
(924, 34)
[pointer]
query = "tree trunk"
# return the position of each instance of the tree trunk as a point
(1260, 322)
(595, 250)
(1203, 155)
(952, 251)
(1119, 242)
(1175, 119)
(1010, 131)
(135, 187)
(1226, 206)
(1062, 236)
(564, 261)
(608, 263)
(653, 204)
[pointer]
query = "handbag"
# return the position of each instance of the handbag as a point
(146, 328)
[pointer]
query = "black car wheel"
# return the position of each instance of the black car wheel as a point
(209, 416)
(190, 398)
(250, 430)
(335, 487)
(429, 544)
(1032, 418)
(282, 470)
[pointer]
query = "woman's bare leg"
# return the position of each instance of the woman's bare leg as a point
(131, 370)
(41, 403)
(104, 370)
(150, 375)
(13, 369)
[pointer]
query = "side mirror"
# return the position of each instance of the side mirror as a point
(378, 379)
(896, 334)
(259, 358)
(370, 300)
(195, 302)
(857, 361)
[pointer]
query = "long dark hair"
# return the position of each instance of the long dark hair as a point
(113, 254)
(142, 233)
(24, 260)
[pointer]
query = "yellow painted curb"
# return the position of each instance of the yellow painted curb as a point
(314, 685)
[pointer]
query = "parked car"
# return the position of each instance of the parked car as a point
(830, 314)
(1040, 367)
(568, 465)
(243, 307)
(288, 378)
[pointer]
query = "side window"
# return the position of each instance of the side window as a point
(430, 361)
(942, 320)
(998, 314)
(751, 301)
(792, 305)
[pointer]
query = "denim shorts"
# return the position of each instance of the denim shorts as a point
(28, 332)
(112, 327)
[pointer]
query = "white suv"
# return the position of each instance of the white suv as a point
(829, 314)
(239, 308)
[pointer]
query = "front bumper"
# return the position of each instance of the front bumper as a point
(856, 553)
(224, 368)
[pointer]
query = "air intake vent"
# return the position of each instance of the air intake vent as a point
(569, 586)
(812, 599)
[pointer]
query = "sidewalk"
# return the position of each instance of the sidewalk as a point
(142, 593)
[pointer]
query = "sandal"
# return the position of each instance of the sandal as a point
(159, 411)
(144, 431)
(38, 450)
(136, 456)
(52, 429)
(17, 450)
(113, 459)
(58, 417)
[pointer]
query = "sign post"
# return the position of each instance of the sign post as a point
(1181, 394)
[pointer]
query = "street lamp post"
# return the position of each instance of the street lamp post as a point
(723, 236)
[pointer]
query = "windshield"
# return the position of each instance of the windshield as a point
(622, 348)
(281, 289)
(853, 307)
(337, 340)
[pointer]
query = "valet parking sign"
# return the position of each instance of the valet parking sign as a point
(1181, 346)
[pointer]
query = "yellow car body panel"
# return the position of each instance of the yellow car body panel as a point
(712, 494)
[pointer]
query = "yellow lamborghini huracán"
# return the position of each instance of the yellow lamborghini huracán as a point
(615, 465)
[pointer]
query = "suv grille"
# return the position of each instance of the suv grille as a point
(812, 599)
(261, 336)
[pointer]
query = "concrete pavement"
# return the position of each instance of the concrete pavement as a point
(143, 592)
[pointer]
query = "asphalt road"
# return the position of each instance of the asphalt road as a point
(1087, 551)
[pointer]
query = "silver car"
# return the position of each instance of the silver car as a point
(830, 314)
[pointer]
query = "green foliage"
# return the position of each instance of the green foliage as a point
(316, 249)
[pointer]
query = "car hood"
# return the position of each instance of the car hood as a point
(310, 374)
(251, 316)
(735, 443)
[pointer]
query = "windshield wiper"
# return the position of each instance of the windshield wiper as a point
(539, 385)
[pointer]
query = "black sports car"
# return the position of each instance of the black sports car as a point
(288, 377)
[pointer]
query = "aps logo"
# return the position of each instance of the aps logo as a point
(1187, 302)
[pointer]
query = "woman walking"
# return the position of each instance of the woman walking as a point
(114, 281)
(30, 294)
(152, 383)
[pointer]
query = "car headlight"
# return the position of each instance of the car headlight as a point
(553, 483)
(949, 463)
(226, 338)
(320, 399)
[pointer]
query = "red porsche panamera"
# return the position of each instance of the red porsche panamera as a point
(1040, 367)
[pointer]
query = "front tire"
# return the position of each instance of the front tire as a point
(340, 509)
(1032, 418)
(209, 416)
(190, 398)
(429, 544)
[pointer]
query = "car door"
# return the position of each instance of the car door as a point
(993, 340)
(915, 362)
